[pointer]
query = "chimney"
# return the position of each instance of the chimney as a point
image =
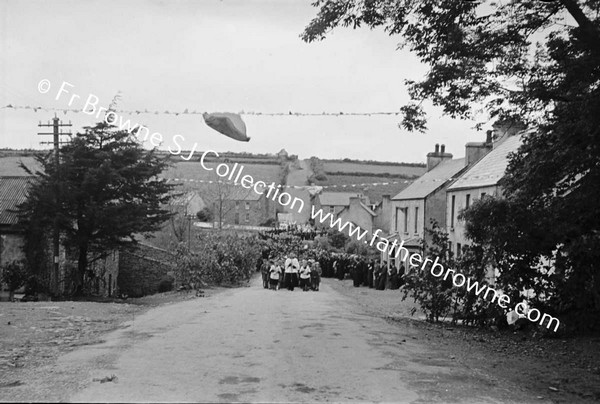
(436, 157)
(488, 137)
(474, 151)
(506, 128)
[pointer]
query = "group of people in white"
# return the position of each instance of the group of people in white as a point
(291, 272)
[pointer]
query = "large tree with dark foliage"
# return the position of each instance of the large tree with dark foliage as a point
(535, 61)
(103, 192)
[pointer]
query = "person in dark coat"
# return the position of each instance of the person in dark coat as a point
(401, 273)
(355, 272)
(342, 265)
(315, 276)
(381, 281)
(394, 281)
(265, 270)
(370, 268)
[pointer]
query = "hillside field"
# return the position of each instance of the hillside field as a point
(374, 192)
(194, 171)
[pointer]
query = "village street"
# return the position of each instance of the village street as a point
(251, 344)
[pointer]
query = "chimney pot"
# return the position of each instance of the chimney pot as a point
(443, 150)
(437, 148)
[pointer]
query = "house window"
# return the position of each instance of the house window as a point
(247, 217)
(396, 227)
(416, 218)
(237, 204)
(247, 205)
(483, 194)
(236, 220)
(458, 250)
(405, 220)
(468, 201)
(331, 209)
(452, 206)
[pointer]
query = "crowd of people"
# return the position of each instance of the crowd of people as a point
(289, 272)
(363, 272)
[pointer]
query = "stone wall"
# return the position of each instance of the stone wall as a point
(142, 270)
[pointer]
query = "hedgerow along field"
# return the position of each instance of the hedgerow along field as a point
(331, 166)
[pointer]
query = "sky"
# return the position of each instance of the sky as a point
(214, 56)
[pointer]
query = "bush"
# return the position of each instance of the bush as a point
(14, 274)
(433, 295)
(217, 258)
(165, 285)
(205, 215)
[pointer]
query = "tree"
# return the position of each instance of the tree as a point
(105, 191)
(14, 274)
(532, 61)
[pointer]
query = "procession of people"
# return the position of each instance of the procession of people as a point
(289, 272)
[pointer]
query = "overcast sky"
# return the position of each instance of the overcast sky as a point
(215, 56)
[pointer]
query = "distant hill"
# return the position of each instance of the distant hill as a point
(373, 178)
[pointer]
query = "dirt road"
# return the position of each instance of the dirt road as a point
(251, 344)
(298, 176)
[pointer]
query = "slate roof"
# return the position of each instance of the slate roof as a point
(13, 191)
(10, 166)
(365, 207)
(431, 180)
(336, 198)
(490, 169)
(239, 193)
(184, 199)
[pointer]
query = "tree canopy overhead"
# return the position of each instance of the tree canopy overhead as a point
(513, 58)
(537, 62)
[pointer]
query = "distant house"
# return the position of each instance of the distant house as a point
(358, 213)
(187, 204)
(481, 179)
(383, 211)
(334, 202)
(246, 207)
(13, 191)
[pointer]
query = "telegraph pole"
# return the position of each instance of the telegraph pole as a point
(57, 131)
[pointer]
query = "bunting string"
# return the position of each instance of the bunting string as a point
(365, 184)
(187, 111)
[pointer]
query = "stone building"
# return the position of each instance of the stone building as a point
(13, 191)
(481, 179)
(423, 201)
(246, 207)
(358, 213)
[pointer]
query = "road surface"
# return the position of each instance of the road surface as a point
(254, 345)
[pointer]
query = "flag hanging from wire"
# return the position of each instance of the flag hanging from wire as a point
(227, 123)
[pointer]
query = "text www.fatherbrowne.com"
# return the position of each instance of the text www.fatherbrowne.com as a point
(285, 199)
